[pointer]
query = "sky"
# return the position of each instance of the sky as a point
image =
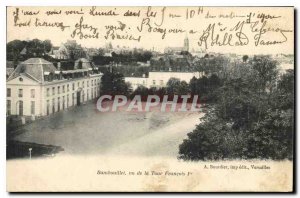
(151, 26)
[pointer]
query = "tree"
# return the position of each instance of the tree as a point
(245, 58)
(18, 50)
(114, 84)
(193, 86)
(252, 118)
(183, 88)
(211, 65)
(13, 50)
(47, 46)
(172, 85)
(141, 91)
(267, 71)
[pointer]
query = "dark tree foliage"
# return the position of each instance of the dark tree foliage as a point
(245, 58)
(211, 64)
(252, 117)
(205, 87)
(141, 91)
(144, 92)
(113, 83)
(102, 60)
(177, 87)
(21, 50)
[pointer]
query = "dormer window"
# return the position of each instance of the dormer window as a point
(46, 76)
(21, 79)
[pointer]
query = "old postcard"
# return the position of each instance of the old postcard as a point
(150, 99)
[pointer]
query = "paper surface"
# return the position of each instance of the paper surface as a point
(58, 140)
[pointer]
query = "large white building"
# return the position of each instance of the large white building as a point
(160, 79)
(37, 88)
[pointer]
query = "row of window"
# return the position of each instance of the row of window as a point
(93, 83)
(161, 82)
(64, 102)
(32, 91)
(19, 110)
(20, 93)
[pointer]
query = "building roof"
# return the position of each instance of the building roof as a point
(85, 64)
(24, 51)
(55, 48)
(33, 68)
(9, 71)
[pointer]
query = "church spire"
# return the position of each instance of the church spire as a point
(186, 43)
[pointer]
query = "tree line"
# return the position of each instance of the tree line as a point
(252, 117)
(113, 83)
(20, 50)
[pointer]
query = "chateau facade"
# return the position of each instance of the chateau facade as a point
(37, 88)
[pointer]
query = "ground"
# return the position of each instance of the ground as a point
(84, 130)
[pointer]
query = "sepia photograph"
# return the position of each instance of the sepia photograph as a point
(150, 99)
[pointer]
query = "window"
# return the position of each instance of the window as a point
(67, 87)
(73, 99)
(58, 90)
(48, 92)
(21, 108)
(53, 105)
(8, 92)
(153, 82)
(53, 91)
(63, 89)
(32, 108)
(161, 82)
(78, 84)
(92, 83)
(87, 83)
(67, 100)
(82, 84)
(58, 104)
(8, 107)
(20, 93)
(32, 93)
(63, 103)
(48, 107)
(73, 86)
